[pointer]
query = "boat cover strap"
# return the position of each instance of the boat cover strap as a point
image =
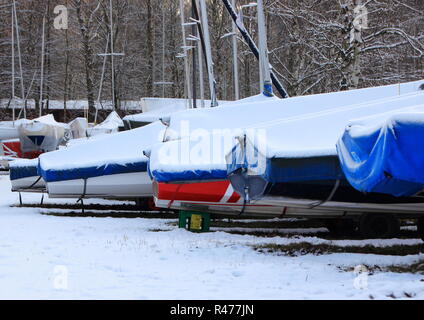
(33, 185)
(84, 191)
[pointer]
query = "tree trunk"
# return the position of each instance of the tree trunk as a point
(65, 89)
(88, 58)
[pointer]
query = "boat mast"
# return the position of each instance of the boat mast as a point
(235, 58)
(193, 30)
(163, 51)
(246, 36)
(201, 76)
(19, 57)
(101, 81)
(111, 55)
(42, 67)
(13, 66)
(185, 48)
(264, 69)
(208, 51)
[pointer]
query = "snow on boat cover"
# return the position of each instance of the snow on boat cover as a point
(156, 108)
(106, 155)
(303, 126)
(385, 154)
(110, 125)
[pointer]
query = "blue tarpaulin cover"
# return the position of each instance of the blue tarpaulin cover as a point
(276, 169)
(23, 168)
(385, 155)
(20, 172)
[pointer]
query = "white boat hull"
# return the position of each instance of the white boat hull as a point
(7, 133)
(117, 186)
(29, 184)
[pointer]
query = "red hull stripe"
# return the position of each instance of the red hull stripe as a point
(200, 192)
(234, 198)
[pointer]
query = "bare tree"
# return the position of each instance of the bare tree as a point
(86, 16)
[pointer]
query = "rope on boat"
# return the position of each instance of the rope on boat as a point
(36, 181)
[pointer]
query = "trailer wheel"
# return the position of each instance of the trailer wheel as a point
(421, 228)
(341, 227)
(150, 204)
(139, 202)
(379, 226)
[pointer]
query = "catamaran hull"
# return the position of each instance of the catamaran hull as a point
(117, 186)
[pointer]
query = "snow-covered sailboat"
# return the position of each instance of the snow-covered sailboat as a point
(110, 166)
(112, 124)
(204, 184)
(43, 134)
(24, 176)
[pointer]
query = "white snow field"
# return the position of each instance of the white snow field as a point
(51, 257)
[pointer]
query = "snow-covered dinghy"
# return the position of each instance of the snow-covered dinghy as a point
(154, 109)
(111, 124)
(204, 185)
(78, 128)
(24, 176)
(42, 134)
(110, 166)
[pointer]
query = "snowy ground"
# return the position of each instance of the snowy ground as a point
(49, 257)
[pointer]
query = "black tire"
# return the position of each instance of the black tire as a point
(146, 204)
(379, 226)
(139, 202)
(420, 226)
(341, 227)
